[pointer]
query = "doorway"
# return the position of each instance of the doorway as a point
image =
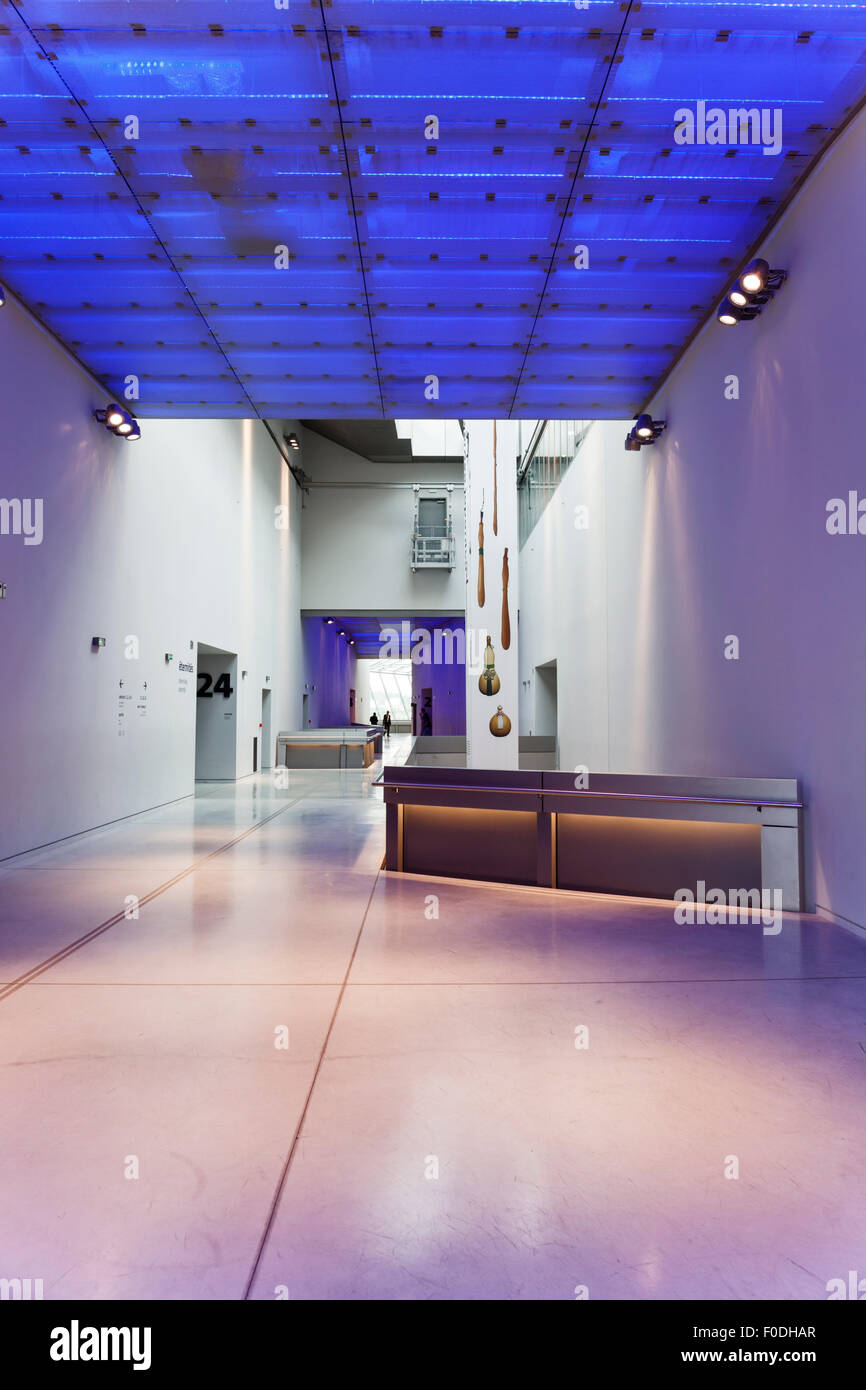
(546, 704)
(216, 715)
(266, 748)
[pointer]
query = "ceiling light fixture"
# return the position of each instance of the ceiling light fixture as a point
(754, 288)
(645, 430)
(119, 421)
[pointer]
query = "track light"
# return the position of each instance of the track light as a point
(119, 421)
(731, 312)
(755, 276)
(292, 441)
(754, 288)
(645, 430)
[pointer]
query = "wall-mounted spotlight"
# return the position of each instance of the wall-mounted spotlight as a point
(2, 296)
(329, 621)
(96, 643)
(293, 441)
(119, 421)
(754, 288)
(645, 430)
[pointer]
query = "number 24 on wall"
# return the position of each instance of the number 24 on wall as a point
(223, 686)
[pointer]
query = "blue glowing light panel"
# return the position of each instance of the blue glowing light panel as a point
(349, 208)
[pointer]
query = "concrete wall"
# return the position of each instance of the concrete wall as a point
(357, 540)
(720, 531)
(156, 546)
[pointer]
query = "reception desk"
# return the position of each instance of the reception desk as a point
(647, 836)
(353, 746)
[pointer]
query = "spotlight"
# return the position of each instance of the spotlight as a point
(739, 298)
(645, 430)
(329, 621)
(755, 276)
(341, 632)
(292, 441)
(2, 296)
(730, 312)
(115, 418)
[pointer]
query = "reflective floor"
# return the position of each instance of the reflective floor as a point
(237, 1059)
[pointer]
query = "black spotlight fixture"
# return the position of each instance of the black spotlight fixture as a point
(2, 296)
(119, 421)
(730, 312)
(292, 441)
(754, 288)
(645, 430)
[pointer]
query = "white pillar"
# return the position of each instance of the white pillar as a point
(497, 497)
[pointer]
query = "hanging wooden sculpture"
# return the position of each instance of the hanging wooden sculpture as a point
(505, 638)
(500, 724)
(481, 560)
(488, 681)
(495, 507)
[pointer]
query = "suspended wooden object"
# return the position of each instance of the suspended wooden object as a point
(500, 724)
(505, 638)
(488, 681)
(481, 560)
(495, 507)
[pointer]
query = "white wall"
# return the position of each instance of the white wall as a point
(357, 541)
(720, 530)
(170, 540)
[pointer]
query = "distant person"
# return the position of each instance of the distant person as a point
(426, 719)
(374, 718)
(414, 716)
(386, 723)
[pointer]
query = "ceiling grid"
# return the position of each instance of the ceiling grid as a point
(356, 210)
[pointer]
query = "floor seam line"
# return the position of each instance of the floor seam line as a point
(29, 975)
(286, 1169)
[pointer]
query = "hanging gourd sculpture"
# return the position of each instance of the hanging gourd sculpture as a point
(488, 681)
(500, 724)
(506, 621)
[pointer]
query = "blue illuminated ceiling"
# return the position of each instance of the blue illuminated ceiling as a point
(152, 252)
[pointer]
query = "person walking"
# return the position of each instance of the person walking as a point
(386, 723)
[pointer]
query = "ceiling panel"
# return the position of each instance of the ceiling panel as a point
(238, 204)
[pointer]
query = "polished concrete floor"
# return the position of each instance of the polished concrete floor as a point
(237, 1059)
